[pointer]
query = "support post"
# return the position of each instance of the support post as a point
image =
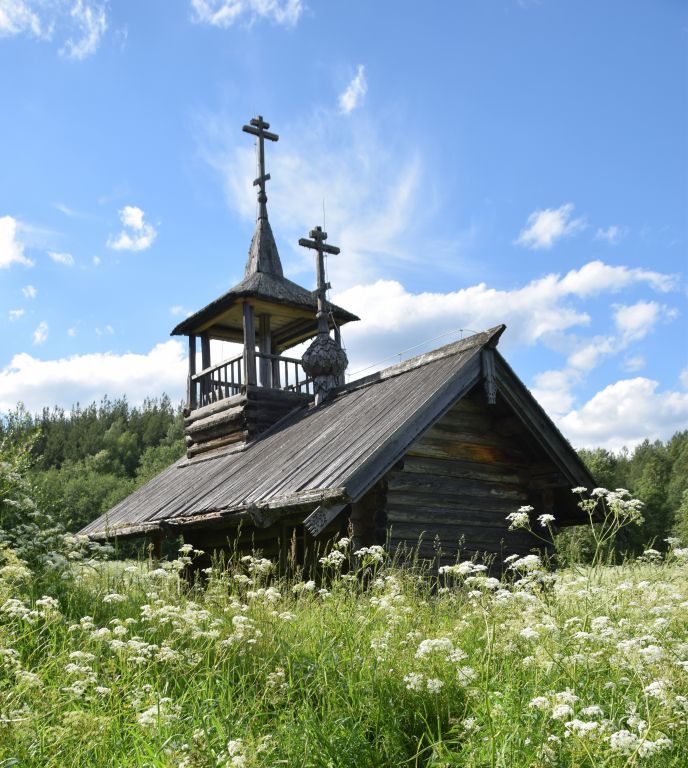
(275, 368)
(265, 347)
(249, 345)
(191, 385)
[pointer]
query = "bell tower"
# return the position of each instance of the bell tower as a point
(232, 401)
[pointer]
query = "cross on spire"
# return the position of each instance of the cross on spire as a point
(258, 127)
(317, 243)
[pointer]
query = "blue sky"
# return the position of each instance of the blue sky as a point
(479, 162)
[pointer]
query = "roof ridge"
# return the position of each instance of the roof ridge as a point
(488, 338)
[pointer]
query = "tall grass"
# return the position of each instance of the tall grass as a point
(126, 665)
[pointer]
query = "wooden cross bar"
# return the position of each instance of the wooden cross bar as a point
(258, 127)
(317, 243)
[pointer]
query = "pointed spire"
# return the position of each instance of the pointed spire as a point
(262, 255)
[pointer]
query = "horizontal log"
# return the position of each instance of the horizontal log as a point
(229, 418)
(445, 517)
(443, 502)
(212, 408)
(503, 473)
(485, 454)
(423, 483)
(219, 442)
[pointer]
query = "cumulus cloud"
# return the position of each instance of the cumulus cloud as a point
(624, 414)
(41, 333)
(545, 227)
(11, 249)
(612, 234)
(29, 292)
(542, 310)
(136, 235)
(225, 13)
(15, 314)
(85, 378)
(80, 23)
(355, 92)
(62, 258)
(636, 321)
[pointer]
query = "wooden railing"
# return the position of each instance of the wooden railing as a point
(280, 372)
(225, 378)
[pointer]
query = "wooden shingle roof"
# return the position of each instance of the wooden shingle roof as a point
(332, 453)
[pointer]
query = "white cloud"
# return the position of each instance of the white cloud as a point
(137, 235)
(15, 314)
(612, 234)
(636, 321)
(81, 22)
(553, 391)
(85, 378)
(90, 21)
(96, 261)
(586, 356)
(41, 333)
(11, 249)
(634, 363)
(17, 17)
(545, 227)
(354, 93)
(71, 332)
(224, 13)
(29, 292)
(596, 277)
(378, 204)
(624, 414)
(108, 330)
(62, 258)
(543, 310)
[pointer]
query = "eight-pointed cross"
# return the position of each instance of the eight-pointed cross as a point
(318, 244)
(258, 127)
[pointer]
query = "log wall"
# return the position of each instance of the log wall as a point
(238, 418)
(458, 482)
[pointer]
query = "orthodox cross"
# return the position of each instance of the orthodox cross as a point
(317, 243)
(258, 127)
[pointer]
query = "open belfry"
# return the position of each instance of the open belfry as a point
(283, 455)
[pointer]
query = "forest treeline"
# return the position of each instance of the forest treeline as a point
(86, 460)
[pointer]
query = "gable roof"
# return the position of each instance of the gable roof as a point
(331, 453)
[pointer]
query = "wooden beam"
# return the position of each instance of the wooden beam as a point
(249, 345)
(265, 346)
(190, 386)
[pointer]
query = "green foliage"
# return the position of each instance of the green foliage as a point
(657, 474)
(87, 460)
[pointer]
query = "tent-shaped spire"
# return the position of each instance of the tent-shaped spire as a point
(292, 308)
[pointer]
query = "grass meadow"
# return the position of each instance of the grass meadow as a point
(125, 664)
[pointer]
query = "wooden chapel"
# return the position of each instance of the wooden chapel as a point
(283, 455)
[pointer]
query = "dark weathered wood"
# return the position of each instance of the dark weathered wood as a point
(249, 345)
(265, 347)
(209, 410)
(489, 376)
(218, 442)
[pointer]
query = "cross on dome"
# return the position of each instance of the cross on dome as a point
(317, 243)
